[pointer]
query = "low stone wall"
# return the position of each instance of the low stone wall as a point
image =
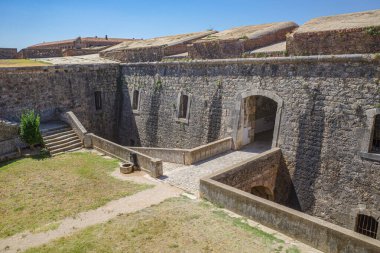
(208, 150)
(8, 129)
(150, 165)
(39, 53)
(150, 54)
(320, 234)
(76, 52)
(174, 155)
(8, 53)
(188, 156)
(234, 48)
(258, 171)
(349, 41)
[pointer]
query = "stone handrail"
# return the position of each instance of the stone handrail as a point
(208, 150)
(313, 231)
(187, 156)
(148, 164)
(73, 121)
(8, 129)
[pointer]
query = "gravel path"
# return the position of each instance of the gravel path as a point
(187, 177)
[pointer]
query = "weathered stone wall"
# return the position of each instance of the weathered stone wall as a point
(322, 121)
(59, 88)
(8, 53)
(39, 53)
(349, 41)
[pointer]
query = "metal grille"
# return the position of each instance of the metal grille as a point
(376, 136)
(367, 225)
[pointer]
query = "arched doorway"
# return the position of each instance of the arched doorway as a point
(257, 118)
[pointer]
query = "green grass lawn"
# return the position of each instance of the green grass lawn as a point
(36, 192)
(21, 63)
(176, 225)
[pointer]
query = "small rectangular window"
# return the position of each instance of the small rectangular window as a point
(98, 100)
(183, 106)
(135, 100)
(376, 136)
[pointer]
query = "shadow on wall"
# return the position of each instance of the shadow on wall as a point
(129, 134)
(308, 156)
(215, 116)
(151, 125)
(284, 192)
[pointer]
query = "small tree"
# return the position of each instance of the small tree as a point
(30, 128)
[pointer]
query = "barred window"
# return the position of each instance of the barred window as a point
(367, 225)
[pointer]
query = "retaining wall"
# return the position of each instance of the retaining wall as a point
(8, 53)
(151, 165)
(318, 233)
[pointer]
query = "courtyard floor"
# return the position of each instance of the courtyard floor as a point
(80, 202)
(187, 177)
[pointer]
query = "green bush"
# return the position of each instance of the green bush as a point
(30, 128)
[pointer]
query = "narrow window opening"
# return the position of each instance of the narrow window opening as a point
(376, 136)
(366, 225)
(183, 106)
(98, 100)
(132, 142)
(135, 100)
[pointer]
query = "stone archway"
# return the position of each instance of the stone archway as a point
(244, 114)
(262, 192)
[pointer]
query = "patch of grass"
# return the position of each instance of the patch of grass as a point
(373, 31)
(7, 63)
(38, 190)
(47, 227)
(176, 225)
(293, 249)
(241, 223)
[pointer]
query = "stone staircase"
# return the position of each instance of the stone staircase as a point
(60, 138)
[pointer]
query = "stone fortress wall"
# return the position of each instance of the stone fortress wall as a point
(53, 89)
(8, 53)
(322, 123)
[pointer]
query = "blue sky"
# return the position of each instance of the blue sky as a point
(27, 22)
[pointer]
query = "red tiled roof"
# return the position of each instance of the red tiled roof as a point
(85, 39)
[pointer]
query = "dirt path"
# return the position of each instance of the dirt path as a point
(129, 204)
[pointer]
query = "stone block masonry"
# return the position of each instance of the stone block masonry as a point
(320, 127)
(321, 119)
(8, 53)
(62, 88)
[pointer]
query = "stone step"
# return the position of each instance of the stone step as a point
(65, 144)
(60, 140)
(59, 134)
(71, 147)
(54, 131)
(48, 141)
(63, 152)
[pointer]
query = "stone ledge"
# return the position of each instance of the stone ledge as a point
(281, 60)
(370, 156)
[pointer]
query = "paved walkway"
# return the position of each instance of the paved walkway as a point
(187, 177)
(129, 204)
